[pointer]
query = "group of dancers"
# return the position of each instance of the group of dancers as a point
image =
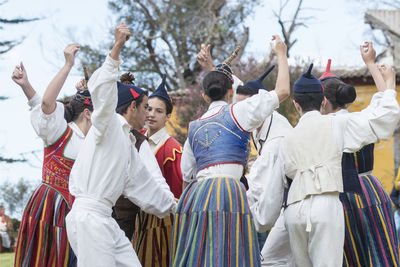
(118, 190)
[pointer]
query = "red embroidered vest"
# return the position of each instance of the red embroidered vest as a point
(56, 167)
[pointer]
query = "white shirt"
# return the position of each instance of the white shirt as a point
(50, 127)
(109, 164)
(147, 156)
(249, 114)
(158, 139)
(352, 131)
(268, 141)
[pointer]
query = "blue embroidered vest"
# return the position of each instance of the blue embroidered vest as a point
(218, 139)
(354, 163)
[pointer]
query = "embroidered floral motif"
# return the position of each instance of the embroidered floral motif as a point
(208, 142)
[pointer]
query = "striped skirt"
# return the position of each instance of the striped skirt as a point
(370, 236)
(213, 226)
(152, 239)
(42, 238)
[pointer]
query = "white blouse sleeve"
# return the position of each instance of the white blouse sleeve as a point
(377, 122)
(34, 101)
(143, 190)
(251, 112)
(150, 161)
(49, 127)
(188, 163)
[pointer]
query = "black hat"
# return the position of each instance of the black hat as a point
(161, 91)
(258, 84)
(127, 93)
(308, 83)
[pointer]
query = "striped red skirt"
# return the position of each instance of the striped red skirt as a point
(42, 237)
(370, 236)
(213, 226)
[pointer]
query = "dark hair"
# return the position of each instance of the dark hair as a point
(122, 109)
(168, 105)
(309, 101)
(338, 93)
(127, 78)
(216, 85)
(245, 90)
(74, 108)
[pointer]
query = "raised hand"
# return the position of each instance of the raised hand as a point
(204, 57)
(121, 34)
(19, 75)
(279, 47)
(69, 54)
(81, 84)
(368, 53)
(389, 75)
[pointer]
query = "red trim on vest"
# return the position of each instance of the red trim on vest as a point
(237, 123)
(201, 119)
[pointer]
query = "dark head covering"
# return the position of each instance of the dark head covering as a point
(83, 96)
(327, 73)
(127, 93)
(161, 91)
(225, 67)
(308, 83)
(258, 84)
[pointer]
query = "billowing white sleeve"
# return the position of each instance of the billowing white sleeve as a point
(49, 127)
(143, 190)
(188, 163)
(150, 161)
(377, 122)
(34, 101)
(266, 197)
(250, 113)
(103, 90)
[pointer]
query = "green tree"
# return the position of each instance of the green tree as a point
(15, 195)
(167, 35)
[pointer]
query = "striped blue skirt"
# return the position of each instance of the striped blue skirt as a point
(370, 236)
(213, 226)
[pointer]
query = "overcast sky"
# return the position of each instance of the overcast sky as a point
(335, 31)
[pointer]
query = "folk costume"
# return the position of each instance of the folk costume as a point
(152, 238)
(42, 238)
(108, 166)
(314, 213)
(267, 140)
(213, 223)
(370, 231)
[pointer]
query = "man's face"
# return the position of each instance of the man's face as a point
(156, 114)
(139, 115)
(2, 211)
(240, 97)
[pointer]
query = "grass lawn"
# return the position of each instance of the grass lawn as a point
(6, 259)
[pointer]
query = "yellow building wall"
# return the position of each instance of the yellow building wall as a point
(384, 150)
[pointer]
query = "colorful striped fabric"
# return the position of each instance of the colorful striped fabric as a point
(152, 239)
(213, 226)
(42, 238)
(370, 236)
